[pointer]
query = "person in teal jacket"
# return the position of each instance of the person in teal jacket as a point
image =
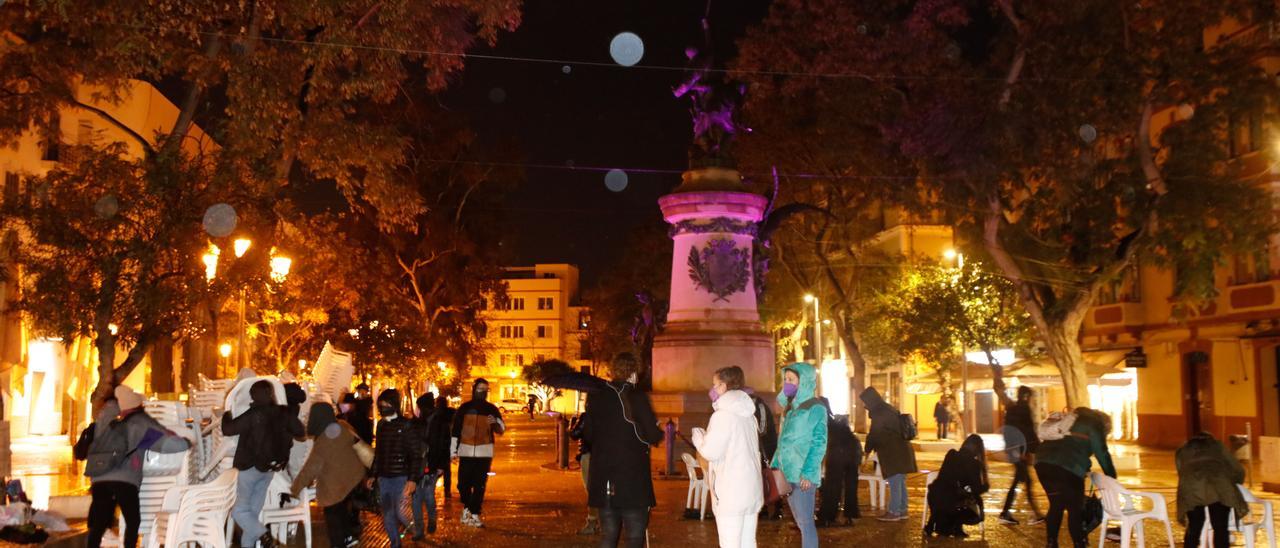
(1062, 465)
(802, 445)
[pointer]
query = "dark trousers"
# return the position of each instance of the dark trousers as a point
(448, 482)
(107, 495)
(1021, 475)
(473, 475)
(839, 485)
(614, 520)
(1066, 493)
(1219, 515)
(340, 522)
(942, 428)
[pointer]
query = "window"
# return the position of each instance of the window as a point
(584, 319)
(12, 192)
(52, 142)
(515, 304)
(1248, 268)
(540, 358)
(511, 360)
(546, 303)
(1244, 132)
(511, 331)
(544, 331)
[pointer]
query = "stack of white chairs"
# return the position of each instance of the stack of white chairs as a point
(1249, 527)
(161, 472)
(698, 487)
(285, 521)
(877, 486)
(205, 404)
(195, 515)
(1118, 504)
(216, 385)
(332, 373)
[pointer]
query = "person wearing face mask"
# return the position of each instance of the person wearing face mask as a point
(621, 431)
(474, 424)
(266, 431)
(357, 416)
(802, 445)
(397, 462)
(731, 446)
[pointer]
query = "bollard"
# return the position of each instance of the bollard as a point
(670, 441)
(562, 434)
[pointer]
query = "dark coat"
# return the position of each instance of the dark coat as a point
(1207, 473)
(397, 450)
(767, 426)
(437, 439)
(962, 478)
(621, 429)
(885, 438)
(843, 448)
(266, 431)
(1019, 416)
(360, 417)
(941, 413)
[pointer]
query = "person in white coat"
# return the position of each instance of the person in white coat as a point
(731, 446)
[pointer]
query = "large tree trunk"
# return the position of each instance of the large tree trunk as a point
(1063, 341)
(858, 376)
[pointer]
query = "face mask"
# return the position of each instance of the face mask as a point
(482, 394)
(790, 390)
(713, 394)
(386, 410)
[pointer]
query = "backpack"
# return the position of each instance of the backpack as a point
(1056, 426)
(81, 449)
(105, 453)
(907, 424)
(278, 442)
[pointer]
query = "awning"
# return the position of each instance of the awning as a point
(1038, 371)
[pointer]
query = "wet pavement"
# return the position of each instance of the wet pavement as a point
(529, 504)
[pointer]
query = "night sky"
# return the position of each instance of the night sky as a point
(568, 120)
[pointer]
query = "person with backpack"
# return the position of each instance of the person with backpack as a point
(730, 444)
(955, 496)
(113, 447)
(890, 439)
(802, 445)
(1067, 442)
(1021, 452)
(397, 463)
(844, 457)
(266, 431)
(1207, 479)
(767, 428)
(620, 431)
(444, 415)
(335, 467)
(474, 425)
(434, 437)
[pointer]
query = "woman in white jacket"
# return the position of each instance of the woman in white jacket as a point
(732, 448)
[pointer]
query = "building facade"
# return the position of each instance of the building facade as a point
(539, 320)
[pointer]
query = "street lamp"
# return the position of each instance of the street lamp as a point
(224, 350)
(817, 329)
(953, 255)
(280, 268)
(241, 245)
(210, 259)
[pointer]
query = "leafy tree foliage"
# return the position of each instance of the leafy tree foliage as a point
(536, 373)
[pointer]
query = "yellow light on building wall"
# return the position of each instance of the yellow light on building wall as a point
(225, 350)
(241, 246)
(513, 373)
(280, 268)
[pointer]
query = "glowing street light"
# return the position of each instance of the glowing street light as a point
(953, 255)
(225, 350)
(280, 268)
(210, 259)
(817, 329)
(241, 245)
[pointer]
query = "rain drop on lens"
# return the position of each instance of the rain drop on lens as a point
(106, 207)
(626, 49)
(615, 180)
(497, 95)
(220, 220)
(1088, 133)
(566, 69)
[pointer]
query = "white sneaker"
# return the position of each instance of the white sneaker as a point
(466, 516)
(475, 521)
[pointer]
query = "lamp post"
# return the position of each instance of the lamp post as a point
(966, 421)
(240, 247)
(280, 266)
(817, 329)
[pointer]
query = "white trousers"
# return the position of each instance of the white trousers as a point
(737, 531)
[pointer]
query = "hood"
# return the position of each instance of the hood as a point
(262, 393)
(871, 398)
(476, 385)
(321, 417)
(808, 383)
(294, 394)
(736, 402)
(391, 396)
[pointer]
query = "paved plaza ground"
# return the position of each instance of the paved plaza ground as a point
(530, 505)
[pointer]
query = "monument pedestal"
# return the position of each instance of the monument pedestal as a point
(713, 320)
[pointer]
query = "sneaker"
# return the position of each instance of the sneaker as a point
(466, 516)
(431, 527)
(890, 516)
(352, 542)
(1036, 520)
(592, 527)
(475, 521)
(1006, 519)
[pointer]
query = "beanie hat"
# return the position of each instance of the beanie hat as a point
(391, 396)
(127, 398)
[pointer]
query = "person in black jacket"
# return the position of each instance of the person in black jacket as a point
(620, 432)
(767, 428)
(592, 526)
(446, 420)
(840, 480)
(425, 494)
(355, 413)
(955, 496)
(397, 462)
(1018, 417)
(266, 431)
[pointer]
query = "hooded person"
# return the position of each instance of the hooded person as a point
(894, 452)
(1207, 479)
(356, 414)
(731, 445)
(802, 445)
(397, 462)
(123, 421)
(266, 431)
(955, 497)
(474, 425)
(335, 467)
(840, 484)
(428, 433)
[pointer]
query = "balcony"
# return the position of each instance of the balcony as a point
(1113, 316)
(1254, 297)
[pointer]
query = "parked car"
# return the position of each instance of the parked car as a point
(513, 406)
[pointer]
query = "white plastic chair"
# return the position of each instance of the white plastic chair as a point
(698, 488)
(161, 472)
(1118, 505)
(877, 486)
(281, 521)
(924, 518)
(1247, 528)
(195, 514)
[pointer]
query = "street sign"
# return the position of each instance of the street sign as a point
(1137, 358)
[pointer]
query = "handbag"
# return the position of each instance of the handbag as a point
(1092, 512)
(365, 453)
(776, 485)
